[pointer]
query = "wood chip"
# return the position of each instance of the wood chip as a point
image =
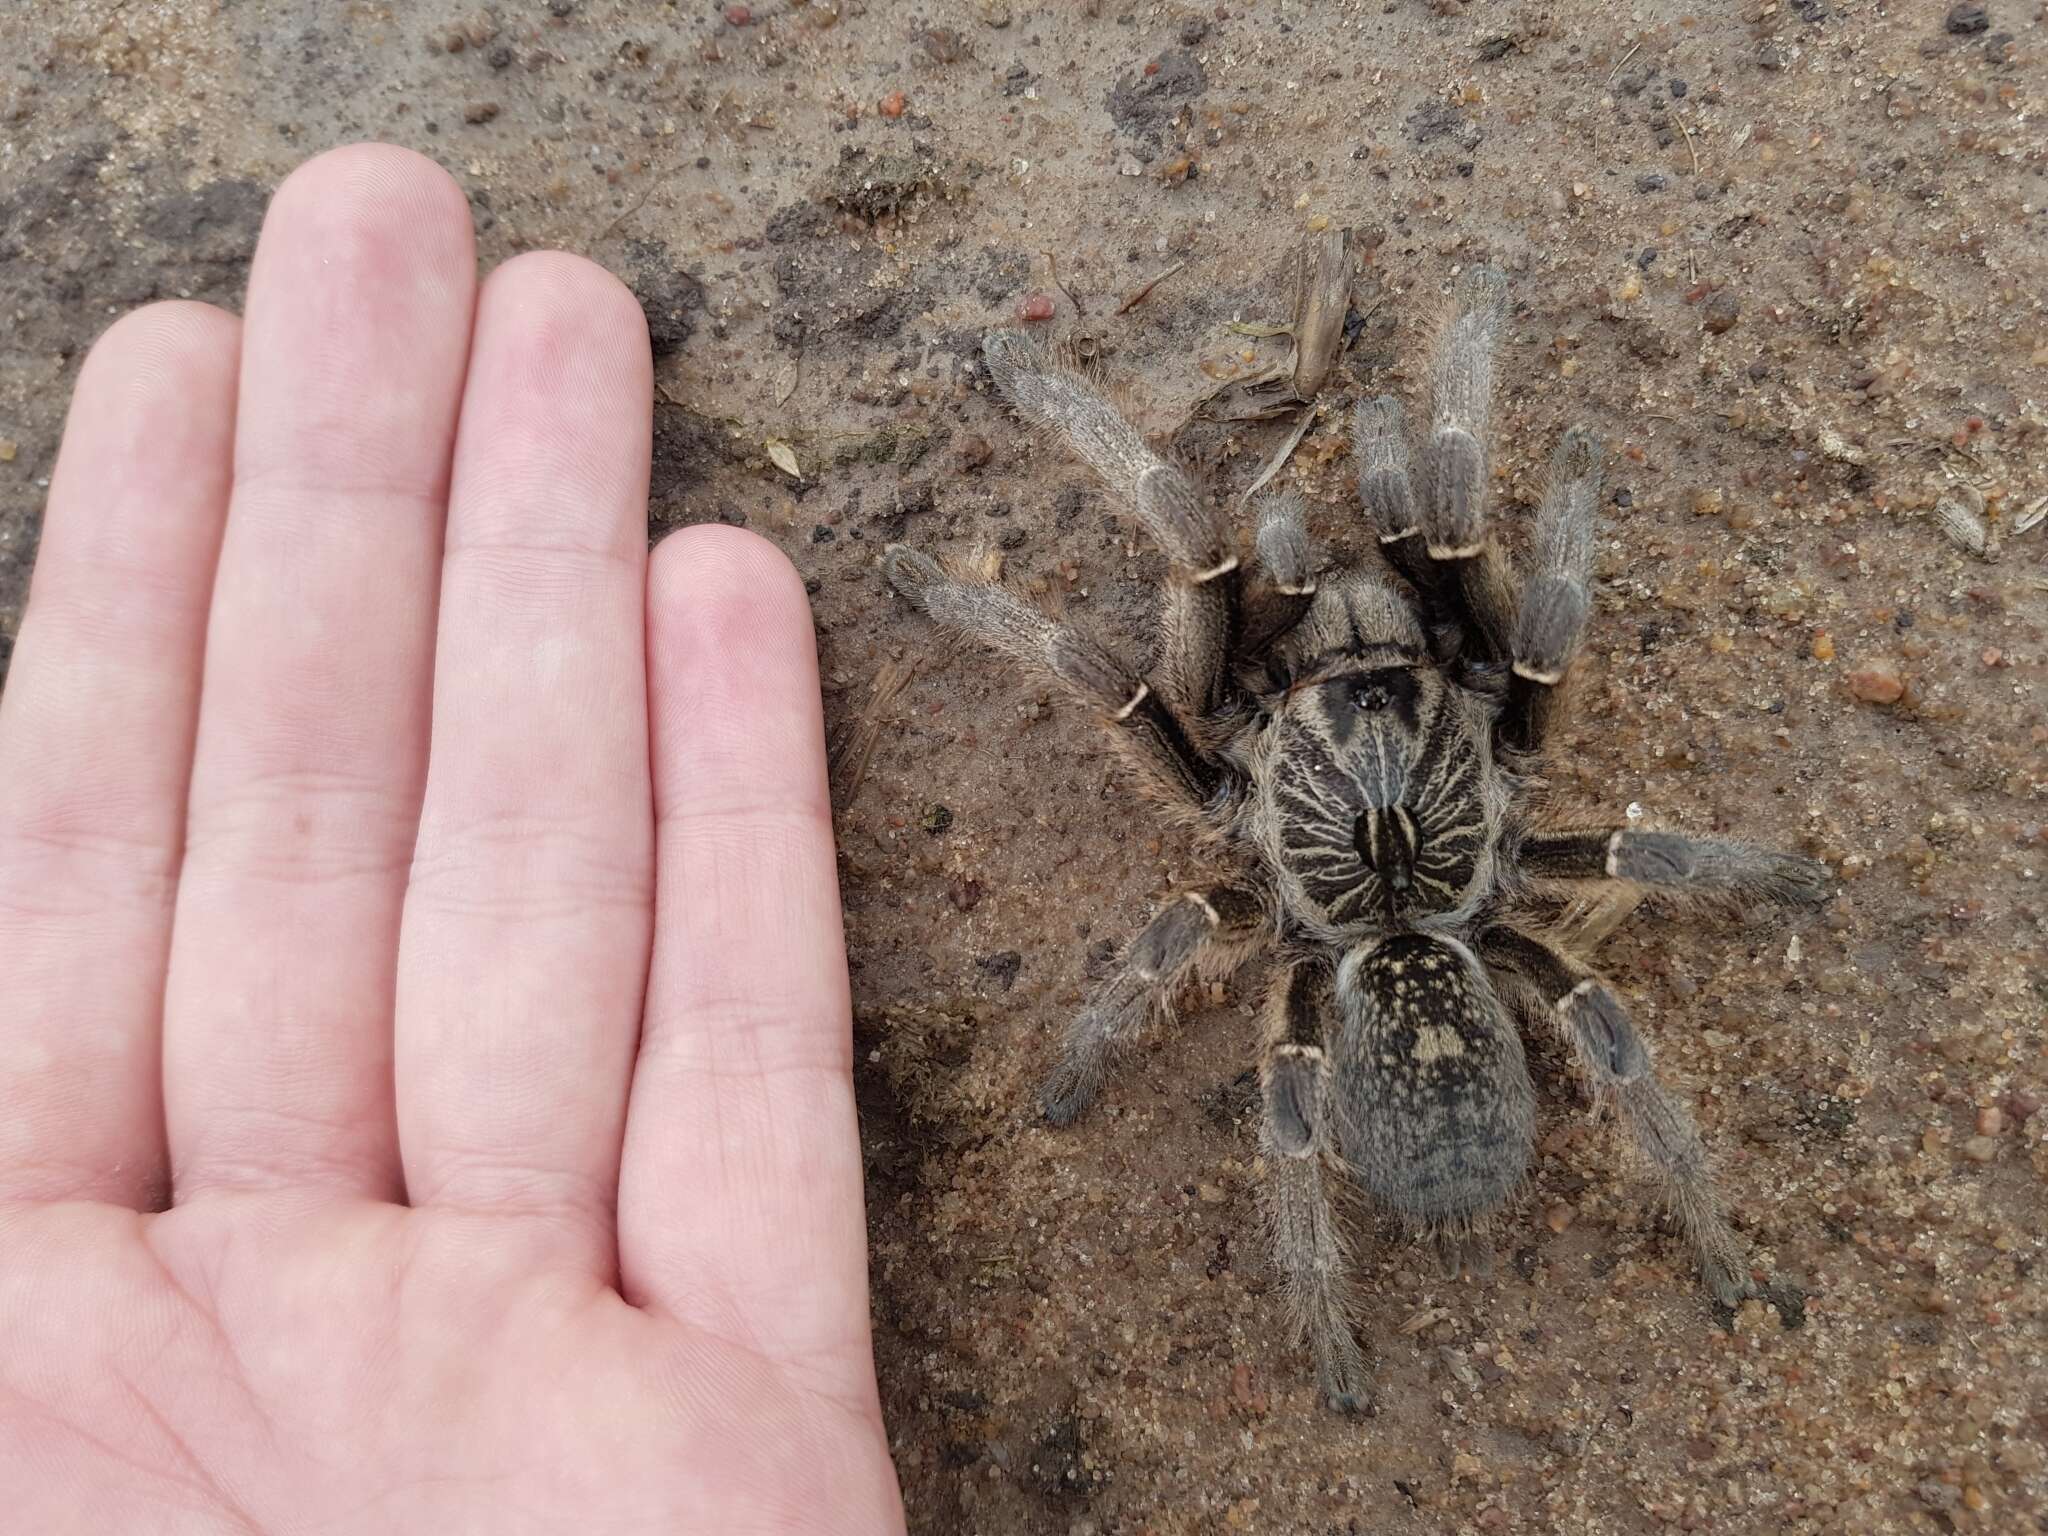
(1322, 295)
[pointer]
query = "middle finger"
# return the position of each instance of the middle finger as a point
(529, 916)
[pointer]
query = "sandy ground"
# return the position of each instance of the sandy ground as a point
(1788, 256)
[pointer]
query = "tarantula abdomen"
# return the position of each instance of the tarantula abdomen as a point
(1435, 1110)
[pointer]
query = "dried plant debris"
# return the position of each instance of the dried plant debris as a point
(1322, 294)
(1960, 514)
(1839, 448)
(1144, 289)
(856, 739)
(1586, 924)
(1322, 270)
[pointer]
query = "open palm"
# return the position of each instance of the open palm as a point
(424, 1096)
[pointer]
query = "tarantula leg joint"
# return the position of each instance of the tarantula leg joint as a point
(1171, 939)
(1457, 515)
(1607, 1040)
(1294, 1086)
(1124, 713)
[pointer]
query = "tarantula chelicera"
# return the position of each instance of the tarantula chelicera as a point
(1364, 748)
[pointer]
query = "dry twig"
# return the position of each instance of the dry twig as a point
(1144, 289)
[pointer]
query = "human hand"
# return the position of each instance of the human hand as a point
(424, 1043)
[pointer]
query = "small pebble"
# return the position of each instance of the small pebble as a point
(479, 111)
(1212, 1194)
(1937, 1495)
(1981, 1149)
(1559, 1217)
(1652, 181)
(1990, 1120)
(8, 449)
(1878, 683)
(1002, 967)
(1721, 313)
(891, 105)
(1967, 18)
(1037, 306)
(739, 16)
(1823, 646)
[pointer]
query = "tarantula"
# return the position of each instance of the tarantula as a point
(1364, 746)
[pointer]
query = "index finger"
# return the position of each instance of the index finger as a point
(740, 1192)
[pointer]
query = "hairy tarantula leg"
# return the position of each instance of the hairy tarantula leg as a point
(1461, 409)
(1306, 1238)
(1157, 739)
(1674, 862)
(1617, 1063)
(1284, 574)
(1379, 446)
(1209, 933)
(1456, 460)
(1049, 394)
(1558, 597)
(1200, 609)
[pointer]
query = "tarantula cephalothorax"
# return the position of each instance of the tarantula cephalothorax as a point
(1361, 746)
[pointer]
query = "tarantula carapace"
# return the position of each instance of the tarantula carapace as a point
(1362, 748)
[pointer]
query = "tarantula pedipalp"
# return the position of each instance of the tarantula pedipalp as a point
(1362, 748)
